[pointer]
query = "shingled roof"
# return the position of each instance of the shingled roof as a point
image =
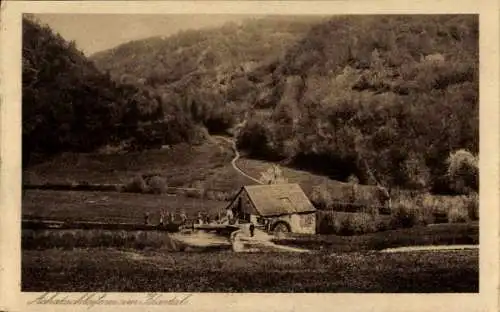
(278, 199)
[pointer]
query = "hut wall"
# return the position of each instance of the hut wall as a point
(246, 205)
(304, 223)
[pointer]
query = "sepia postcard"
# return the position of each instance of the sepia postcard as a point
(249, 155)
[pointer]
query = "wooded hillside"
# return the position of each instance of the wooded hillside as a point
(371, 99)
(69, 105)
(374, 98)
(211, 72)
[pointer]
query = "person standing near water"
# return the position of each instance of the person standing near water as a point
(162, 217)
(229, 215)
(146, 218)
(183, 217)
(252, 229)
(167, 216)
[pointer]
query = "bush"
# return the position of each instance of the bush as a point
(431, 204)
(321, 197)
(463, 171)
(157, 185)
(472, 204)
(346, 223)
(255, 137)
(458, 215)
(404, 215)
(383, 225)
(144, 184)
(423, 205)
(136, 185)
(326, 224)
(356, 224)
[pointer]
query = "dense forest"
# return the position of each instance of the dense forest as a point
(69, 105)
(372, 99)
(210, 72)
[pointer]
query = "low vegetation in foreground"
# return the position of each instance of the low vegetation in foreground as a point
(107, 270)
(454, 234)
(443, 234)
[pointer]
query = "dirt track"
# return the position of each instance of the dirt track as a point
(236, 157)
(430, 248)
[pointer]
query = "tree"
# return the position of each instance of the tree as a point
(463, 171)
(273, 175)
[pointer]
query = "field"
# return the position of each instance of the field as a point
(110, 206)
(109, 270)
(212, 161)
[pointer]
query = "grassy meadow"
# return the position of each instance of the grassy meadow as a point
(110, 206)
(175, 164)
(111, 270)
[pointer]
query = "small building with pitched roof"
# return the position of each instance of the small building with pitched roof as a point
(277, 207)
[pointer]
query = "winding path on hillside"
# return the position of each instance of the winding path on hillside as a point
(232, 141)
(236, 157)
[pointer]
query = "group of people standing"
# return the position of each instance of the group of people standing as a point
(166, 217)
(228, 217)
(205, 218)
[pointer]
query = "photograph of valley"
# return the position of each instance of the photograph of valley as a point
(250, 153)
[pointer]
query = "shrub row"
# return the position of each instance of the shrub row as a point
(341, 223)
(406, 213)
(426, 207)
(335, 195)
